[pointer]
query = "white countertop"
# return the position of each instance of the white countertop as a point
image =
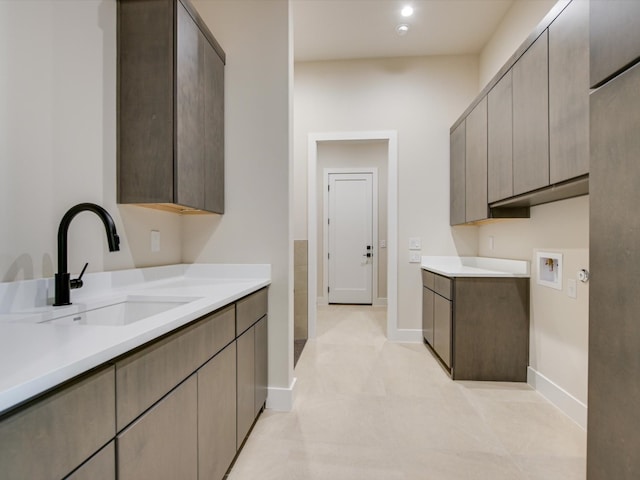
(37, 357)
(476, 266)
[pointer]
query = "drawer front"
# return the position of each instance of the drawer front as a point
(428, 279)
(250, 309)
(53, 436)
(443, 286)
(146, 376)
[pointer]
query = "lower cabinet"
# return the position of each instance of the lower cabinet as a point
(54, 435)
(478, 327)
(177, 408)
(217, 414)
(163, 443)
(252, 376)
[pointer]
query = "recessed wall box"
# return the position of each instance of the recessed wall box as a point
(549, 268)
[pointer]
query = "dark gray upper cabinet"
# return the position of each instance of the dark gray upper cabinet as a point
(614, 39)
(476, 163)
(457, 179)
(170, 108)
(569, 93)
(531, 118)
(614, 249)
(500, 140)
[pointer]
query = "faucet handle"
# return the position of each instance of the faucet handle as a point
(77, 282)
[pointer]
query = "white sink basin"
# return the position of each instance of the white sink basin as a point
(124, 312)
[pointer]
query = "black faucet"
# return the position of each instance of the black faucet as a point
(63, 282)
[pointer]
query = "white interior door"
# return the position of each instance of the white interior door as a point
(350, 228)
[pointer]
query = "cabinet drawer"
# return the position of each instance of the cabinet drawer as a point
(146, 376)
(54, 435)
(443, 286)
(428, 279)
(250, 309)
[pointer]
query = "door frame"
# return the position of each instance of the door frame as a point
(374, 226)
(391, 136)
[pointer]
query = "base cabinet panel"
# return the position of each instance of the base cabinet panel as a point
(217, 415)
(262, 361)
(427, 315)
(442, 329)
(246, 383)
(162, 444)
(50, 438)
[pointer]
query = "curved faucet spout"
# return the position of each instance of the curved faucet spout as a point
(63, 282)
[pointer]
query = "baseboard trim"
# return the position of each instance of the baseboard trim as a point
(567, 403)
(405, 335)
(281, 399)
(380, 302)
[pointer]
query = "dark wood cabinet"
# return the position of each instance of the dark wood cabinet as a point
(217, 414)
(613, 435)
(476, 206)
(531, 118)
(162, 443)
(262, 364)
(569, 93)
(457, 175)
(480, 325)
(614, 40)
(500, 139)
(170, 108)
(102, 466)
(54, 435)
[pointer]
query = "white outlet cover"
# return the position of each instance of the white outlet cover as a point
(155, 241)
(415, 257)
(383, 244)
(415, 243)
(572, 288)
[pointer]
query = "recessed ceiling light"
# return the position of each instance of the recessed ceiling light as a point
(402, 29)
(407, 11)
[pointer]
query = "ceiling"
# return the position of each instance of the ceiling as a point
(348, 29)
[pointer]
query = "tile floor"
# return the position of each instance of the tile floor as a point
(370, 409)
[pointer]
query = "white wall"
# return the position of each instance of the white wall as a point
(58, 142)
(419, 98)
(559, 324)
(519, 21)
(255, 226)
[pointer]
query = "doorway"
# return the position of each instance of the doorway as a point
(387, 279)
(350, 222)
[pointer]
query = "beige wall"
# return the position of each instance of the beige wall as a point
(519, 21)
(418, 97)
(58, 142)
(354, 154)
(255, 226)
(559, 324)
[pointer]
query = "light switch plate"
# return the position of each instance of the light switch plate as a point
(415, 243)
(383, 244)
(571, 288)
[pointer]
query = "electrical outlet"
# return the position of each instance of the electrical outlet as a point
(415, 243)
(415, 257)
(491, 242)
(383, 244)
(155, 241)
(571, 288)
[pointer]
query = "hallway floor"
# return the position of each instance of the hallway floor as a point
(371, 409)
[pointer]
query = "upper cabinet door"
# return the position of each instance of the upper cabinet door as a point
(500, 139)
(615, 43)
(214, 128)
(457, 179)
(190, 112)
(569, 93)
(476, 163)
(531, 118)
